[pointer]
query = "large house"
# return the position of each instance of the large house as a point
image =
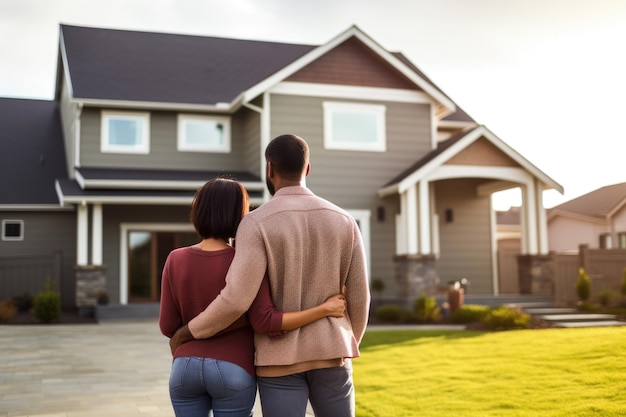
(97, 183)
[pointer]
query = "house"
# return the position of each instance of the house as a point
(143, 119)
(596, 219)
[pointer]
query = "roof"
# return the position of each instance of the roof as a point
(123, 65)
(149, 67)
(599, 203)
(146, 186)
(32, 152)
(450, 147)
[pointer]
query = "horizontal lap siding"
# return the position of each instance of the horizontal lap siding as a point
(465, 243)
(163, 147)
(351, 179)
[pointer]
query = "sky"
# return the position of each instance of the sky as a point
(548, 77)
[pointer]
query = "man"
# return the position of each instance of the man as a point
(311, 249)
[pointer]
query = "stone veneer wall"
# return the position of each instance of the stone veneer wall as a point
(90, 283)
(416, 275)
(536, 274)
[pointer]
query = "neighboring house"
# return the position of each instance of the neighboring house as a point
(144, 119)
(596, 219)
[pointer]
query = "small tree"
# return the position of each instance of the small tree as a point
(426, 310)
(378, 286)
(47, 304)
(624, 283)
(583, 285)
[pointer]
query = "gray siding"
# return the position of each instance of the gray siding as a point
(48, 250)
(465, 243)
(351, 179)
(69, 114)
(163, 153)
(249, 122)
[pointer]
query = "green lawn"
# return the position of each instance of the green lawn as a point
(549, 372)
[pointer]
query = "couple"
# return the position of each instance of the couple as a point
(297, 247)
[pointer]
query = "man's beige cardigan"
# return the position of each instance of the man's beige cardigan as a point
(311, 249)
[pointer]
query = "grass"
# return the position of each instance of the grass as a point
(549, 372)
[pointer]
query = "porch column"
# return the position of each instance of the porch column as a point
(411, 220)
(82, 233)
(424, 218)
(530, 216)
(96, 234)
(542, 222)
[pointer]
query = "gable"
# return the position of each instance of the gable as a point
(352, 63)
(482, 152)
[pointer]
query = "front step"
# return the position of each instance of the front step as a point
(571, 317)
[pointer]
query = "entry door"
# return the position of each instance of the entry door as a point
(147, 252)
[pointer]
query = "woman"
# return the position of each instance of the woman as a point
(218, 373)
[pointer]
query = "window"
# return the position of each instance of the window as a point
(203, 133)
(125, 132)
(356, 127)
(621, 240)
(605, 241)
(12, 230)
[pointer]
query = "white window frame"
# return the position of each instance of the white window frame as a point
(375, 110)
(12, 238)
(143, 147)
(363, 219)
(184, 146)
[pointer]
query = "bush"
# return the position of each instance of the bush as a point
(47, 304)
(605, 297)
(392, 313)
(7, 310)
(469, 313)
(583, 285)
(504, 318)
(624, 283)
(426, 310)
(23, 302)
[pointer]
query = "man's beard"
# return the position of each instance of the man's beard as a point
(270, 186)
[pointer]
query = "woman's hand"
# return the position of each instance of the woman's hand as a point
(335, 305)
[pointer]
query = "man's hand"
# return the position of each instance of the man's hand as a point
(182, 335)
(335, 305)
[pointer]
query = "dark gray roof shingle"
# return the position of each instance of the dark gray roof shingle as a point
(31, 151)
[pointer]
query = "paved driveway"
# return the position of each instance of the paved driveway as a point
(115, 368)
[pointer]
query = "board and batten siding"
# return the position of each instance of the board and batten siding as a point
(250, 126)
(49, 237)
(351, 179)
(465, 242)
(163, 147)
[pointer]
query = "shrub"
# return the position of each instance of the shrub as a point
(47, 304)
(469, 313)
(7, 310)
(23, 302)
(378, 286)
(583, 285)
(426, 310)
(605, 297)
(392, 313)
(624, 283)
(505, 318)
(588, 307)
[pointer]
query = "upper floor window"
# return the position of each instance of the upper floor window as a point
(355, 127)
(12, 230)
(203, 133)
(125, 132)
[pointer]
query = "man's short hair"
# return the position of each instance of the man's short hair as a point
(289, 156)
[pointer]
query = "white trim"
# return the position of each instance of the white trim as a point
(131, 184)
(266, 124)
(141, 227)
(371, 110)
(141, 118)
(82, 236)
(224, 108)
(163, 201)
(182, 144)
(35, 207)
(424, 217)
(412, 245)
(350, 92)
(364, 219)
(96, 234)
(12, 238)
(495, 276)
(76, 149)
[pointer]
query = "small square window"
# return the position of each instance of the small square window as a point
(125, 132)
(356, 127)
(12, 230)
(197, 133)
(606, 242)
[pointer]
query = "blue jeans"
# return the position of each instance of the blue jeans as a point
(330, 391)
(198, 385)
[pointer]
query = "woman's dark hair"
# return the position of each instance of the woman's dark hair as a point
(218, 207)
(289, 155)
